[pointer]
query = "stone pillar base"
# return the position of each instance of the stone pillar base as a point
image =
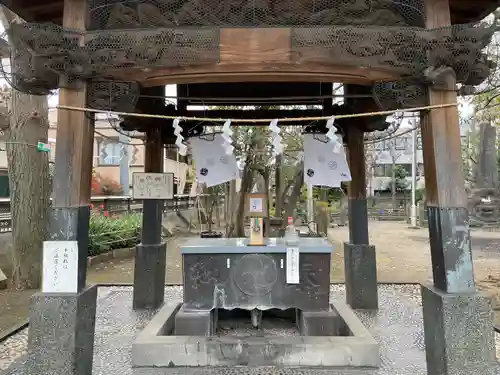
(459, 337)
(360, 276)
(61, 333)
(195, 322)
(149, 276)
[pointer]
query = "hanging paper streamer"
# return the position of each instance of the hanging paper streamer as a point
(322, 166)
(227, 135)
(276, 137)
(333, 139)
(179, 141)
(213, 165)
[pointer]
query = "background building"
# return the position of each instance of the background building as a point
(107, 155)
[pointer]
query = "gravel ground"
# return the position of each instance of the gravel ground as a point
(403, 255)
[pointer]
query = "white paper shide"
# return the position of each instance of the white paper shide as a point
(60, 267)
(323, 164)
(213, 164)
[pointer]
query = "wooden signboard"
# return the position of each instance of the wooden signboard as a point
(153, 185)
(256, 205)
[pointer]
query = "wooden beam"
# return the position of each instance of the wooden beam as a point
(358, 219)
(444, 181)
(475, 10)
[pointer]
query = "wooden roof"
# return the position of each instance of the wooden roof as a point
(462, 11)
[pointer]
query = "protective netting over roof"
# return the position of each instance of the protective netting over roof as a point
(376, 34)
(119, 14)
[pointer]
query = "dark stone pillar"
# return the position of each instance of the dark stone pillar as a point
(150, 255)
(359, 257)
(72, 224)
(61, 334)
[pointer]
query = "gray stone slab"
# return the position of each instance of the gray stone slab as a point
(360, 264)
(195, 322)
(61, 334)
(459, 336)
(319, 323)
(397, 325)
(149, 276)
(240, 245)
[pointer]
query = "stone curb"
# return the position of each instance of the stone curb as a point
(113, 254)
(11, 331)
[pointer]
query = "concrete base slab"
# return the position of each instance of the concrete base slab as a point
(155, 348)
(61, 333)
(149, 276)
(459, 338)
(361, 276)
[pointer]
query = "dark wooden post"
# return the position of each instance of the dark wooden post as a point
(150, 255)
(61, 335)
(359, 257)
(457, 320)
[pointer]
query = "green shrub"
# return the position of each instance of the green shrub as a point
(116, 232)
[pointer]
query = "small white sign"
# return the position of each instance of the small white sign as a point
(292, 265)
(256, 205)
(153, 185)
(60, 267)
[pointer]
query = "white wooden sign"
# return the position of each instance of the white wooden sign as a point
(153, 185)
(292, 265)
(256, 205)
(60, 267)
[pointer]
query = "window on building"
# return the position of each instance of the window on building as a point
(379, 146)
(109, 153)
(419, 142)
(407, 168)
(400, 143)
(379, 170)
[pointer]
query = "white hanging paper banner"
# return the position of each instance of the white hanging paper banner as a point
(322, 166)
(292, 265)
(60, 267)
(182, 148)
(213, 165)
(275, 137)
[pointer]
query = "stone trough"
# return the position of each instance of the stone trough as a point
(349, 345)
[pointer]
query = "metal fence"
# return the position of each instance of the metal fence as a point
(112, 204)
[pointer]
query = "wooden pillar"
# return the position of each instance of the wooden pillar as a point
(457, 320)
(61, 335)
(150, 255)
(359, 256)
(358, 215)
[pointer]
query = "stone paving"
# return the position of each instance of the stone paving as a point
(397, 326)
(403, 255)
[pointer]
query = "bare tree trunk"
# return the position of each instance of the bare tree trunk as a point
(217, 209)
(246, 186)
(393, 187)
(298, 181)
(29, 186)
(278, 190)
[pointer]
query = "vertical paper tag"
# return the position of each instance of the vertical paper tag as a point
(60, 267)
(292, 265)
